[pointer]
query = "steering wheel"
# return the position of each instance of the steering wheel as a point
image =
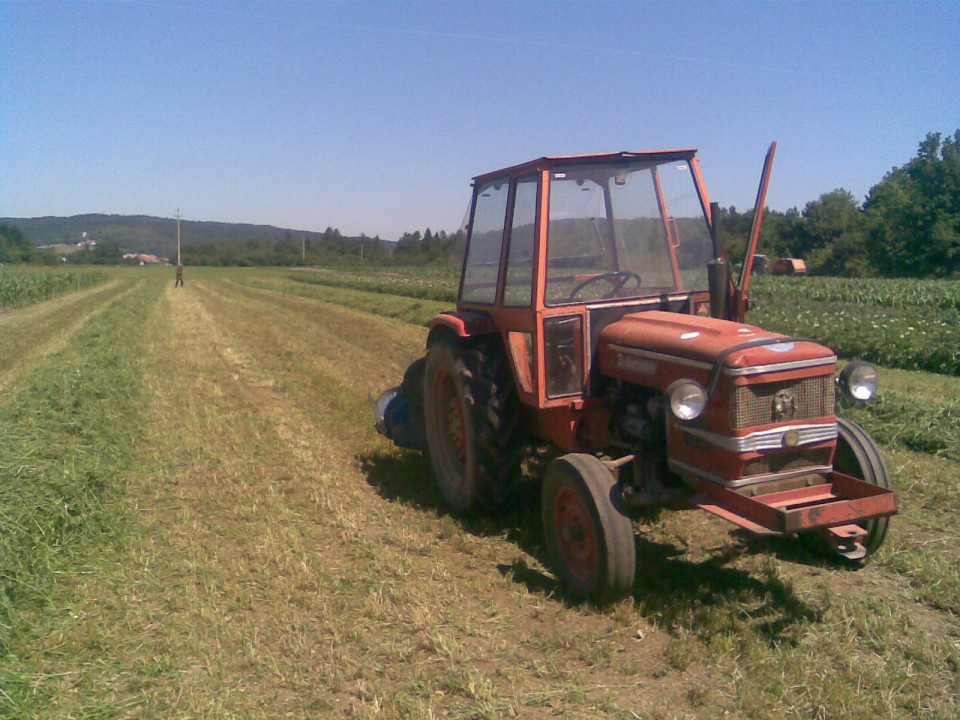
(618, 280)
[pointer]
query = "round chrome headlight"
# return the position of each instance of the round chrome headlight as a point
(687, 399)
(858, 381)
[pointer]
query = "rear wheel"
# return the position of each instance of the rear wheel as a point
(858, 456)
(587, 529)
(471, 423)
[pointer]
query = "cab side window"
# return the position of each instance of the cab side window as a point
(518, 290)
(486, 240)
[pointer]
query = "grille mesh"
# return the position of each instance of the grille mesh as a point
(753, 404)
(785, 462)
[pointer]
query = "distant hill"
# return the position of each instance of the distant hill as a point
(154, 235)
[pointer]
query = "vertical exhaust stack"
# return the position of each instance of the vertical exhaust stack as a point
(718, 269)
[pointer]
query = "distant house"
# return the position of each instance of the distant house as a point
(144, 259)
(86, 244)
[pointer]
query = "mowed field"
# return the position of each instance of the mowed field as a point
(197, 520)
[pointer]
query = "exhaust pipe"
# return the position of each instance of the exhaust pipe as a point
(718, 270)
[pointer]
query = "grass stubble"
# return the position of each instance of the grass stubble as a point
(270, 556)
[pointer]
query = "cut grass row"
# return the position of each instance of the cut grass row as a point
(416, 311)
(26, 336)
(68, 434)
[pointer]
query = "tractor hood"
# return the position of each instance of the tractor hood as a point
(643, 342)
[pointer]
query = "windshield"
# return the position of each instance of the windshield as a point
(618, 232)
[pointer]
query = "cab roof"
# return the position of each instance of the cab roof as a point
(624, 157)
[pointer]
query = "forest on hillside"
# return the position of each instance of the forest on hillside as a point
(908, 226)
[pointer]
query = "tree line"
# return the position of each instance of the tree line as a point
(330, 248)
(16, 248)
(908, 226)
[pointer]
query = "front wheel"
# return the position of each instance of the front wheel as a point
(587, 530)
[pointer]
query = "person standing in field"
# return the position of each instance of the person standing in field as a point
(179, 282)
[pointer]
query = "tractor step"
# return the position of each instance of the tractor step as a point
(840, 503)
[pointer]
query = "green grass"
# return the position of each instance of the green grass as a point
(284, 560)
(914, 410)
(67, 436)
(414, 310)
(924, 424)
(908, 295)
(884, 321)
(438, 283)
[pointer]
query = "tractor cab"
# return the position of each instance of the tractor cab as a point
(561, 247)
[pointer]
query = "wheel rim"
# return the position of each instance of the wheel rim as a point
(458, 435)
(452, 428)
(575, 533)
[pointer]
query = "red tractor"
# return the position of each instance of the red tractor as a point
(598, 316)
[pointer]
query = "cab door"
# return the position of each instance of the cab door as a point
(516, 314)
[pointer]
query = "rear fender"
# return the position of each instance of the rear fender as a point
(461, 324)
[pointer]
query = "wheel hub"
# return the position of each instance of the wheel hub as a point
(575, 533)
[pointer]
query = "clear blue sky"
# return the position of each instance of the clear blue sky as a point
(373, 117)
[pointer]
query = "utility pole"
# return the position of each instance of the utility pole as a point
(179, 281)
(178, 237)
(304, 250)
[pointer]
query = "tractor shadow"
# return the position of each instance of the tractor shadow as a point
(700, 596)
(408, 479)
(791, 550)
(405, 478)
(711, 595)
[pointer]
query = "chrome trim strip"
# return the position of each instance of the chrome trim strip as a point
(767, 439)
(778, 367)
(682, 467)
(627, 350)
(730, 372)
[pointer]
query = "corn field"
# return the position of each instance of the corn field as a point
(905, 324)
(19, 288)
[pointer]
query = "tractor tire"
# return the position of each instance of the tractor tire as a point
(587, 530)
(858, 456)
(471, 414)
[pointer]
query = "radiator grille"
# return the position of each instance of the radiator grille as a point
(754, 404)
(786, 462)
